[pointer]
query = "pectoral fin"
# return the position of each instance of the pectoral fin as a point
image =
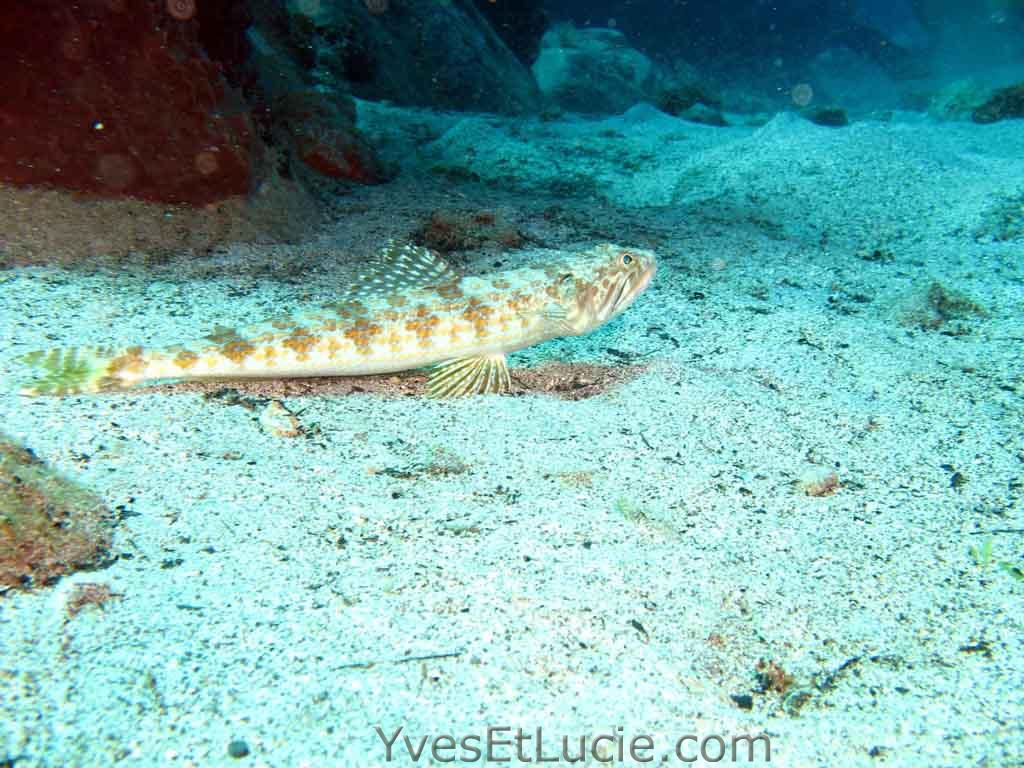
(556, 318)
(463, 376)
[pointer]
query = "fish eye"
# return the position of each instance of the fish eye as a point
(627, 259)
(564, 279)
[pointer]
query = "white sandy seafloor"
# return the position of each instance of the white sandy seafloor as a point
(574, 566)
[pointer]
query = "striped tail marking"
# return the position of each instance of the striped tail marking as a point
(78, 370)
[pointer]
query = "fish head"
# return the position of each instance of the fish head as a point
(603, 284)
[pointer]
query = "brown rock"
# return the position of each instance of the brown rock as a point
(48, 525)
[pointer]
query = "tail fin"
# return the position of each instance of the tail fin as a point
(76, 370)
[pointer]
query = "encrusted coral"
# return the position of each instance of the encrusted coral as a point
(48, 525)
(448, 231)
(1004, 104)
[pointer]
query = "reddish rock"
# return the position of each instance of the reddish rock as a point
(117, 98)
(48, 526)
(336, 153)
(322, 127)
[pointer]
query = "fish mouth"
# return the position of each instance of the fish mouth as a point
(645, 279)
(627, 290)
(618, 298)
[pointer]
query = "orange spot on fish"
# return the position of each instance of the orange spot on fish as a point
(186, 359)
(300, 342)
(237, 351)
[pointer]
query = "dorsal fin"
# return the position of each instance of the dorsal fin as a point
(403, 267)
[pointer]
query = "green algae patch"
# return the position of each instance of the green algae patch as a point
(48, 525)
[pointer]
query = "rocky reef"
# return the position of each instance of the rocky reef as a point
(48, 525)
(118, 98)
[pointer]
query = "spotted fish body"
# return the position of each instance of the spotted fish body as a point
(412, 311)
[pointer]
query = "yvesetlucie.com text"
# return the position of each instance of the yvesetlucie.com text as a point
(508, 745)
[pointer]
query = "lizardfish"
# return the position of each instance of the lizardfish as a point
(412, 310)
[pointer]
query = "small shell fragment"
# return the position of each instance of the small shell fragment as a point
(276, 419)
(819, 482)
